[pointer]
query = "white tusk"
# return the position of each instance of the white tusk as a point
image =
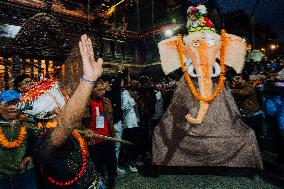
(190, 71)
(188, 61)
(217, 70)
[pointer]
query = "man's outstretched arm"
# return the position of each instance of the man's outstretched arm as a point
(73, 111)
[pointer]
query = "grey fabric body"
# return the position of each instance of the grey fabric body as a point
(221, 140)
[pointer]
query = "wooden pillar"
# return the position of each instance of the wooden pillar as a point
(63, 72)
(39, 69)
(23, 69)
(32, 61)
(46, 68)
(15, 66)
(6, 73)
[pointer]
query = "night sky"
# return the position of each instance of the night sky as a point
(268, 12)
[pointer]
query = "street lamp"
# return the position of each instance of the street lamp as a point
(168, 32)
(273, 47)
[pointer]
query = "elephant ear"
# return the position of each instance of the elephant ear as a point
(235, 52)
(169, 55)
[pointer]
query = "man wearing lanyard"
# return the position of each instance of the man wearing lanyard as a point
(102, 152)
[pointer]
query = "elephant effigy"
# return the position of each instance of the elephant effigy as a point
(202, 126)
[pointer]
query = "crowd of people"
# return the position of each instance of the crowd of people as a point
(47, 137)
(47, 149)
(258, 92)
(138, 106)
(48, 140)
(265, 66)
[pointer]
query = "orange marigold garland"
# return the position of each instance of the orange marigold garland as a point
(14, 144)
(220, 84)
(82, 142)
(48, 125)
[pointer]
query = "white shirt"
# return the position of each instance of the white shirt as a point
(127, 105)
(159, 106)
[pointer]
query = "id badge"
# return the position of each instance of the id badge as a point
(100, 122)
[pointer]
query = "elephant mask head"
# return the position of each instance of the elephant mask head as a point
(201, 49)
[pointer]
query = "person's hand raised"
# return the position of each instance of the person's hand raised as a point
(92, 69)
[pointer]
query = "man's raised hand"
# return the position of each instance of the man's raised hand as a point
(92, 69)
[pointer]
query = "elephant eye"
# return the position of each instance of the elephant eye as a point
(195, 43)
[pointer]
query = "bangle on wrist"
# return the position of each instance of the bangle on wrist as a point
(88, 81)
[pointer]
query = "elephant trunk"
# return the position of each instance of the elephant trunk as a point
(204, 71)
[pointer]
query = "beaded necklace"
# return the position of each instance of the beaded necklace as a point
(84, 152)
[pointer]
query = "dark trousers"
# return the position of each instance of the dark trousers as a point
(277, 139)
(131, 151)
(26, 180)
(103, 156)
(256, 123)
(147, 137)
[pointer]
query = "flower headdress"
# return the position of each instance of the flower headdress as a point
(197, 19)
(41, 100)
(200, 10)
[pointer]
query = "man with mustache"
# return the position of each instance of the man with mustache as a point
(16, 163)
